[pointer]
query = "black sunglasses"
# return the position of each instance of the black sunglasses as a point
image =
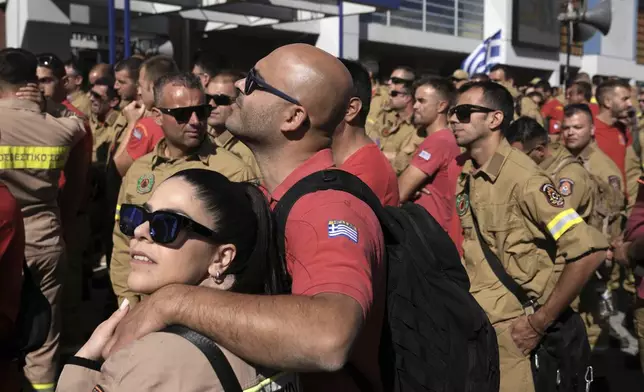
(165, 226)
(395, 93)
(255, 82)
(463, 112)
(97, 96)
(182, 115)
(220, 99)
(395, 80)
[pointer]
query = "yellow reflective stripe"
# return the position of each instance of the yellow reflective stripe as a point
(31, 157)
(562, 222)
(264, 383)
(118, 209)
(41, 387)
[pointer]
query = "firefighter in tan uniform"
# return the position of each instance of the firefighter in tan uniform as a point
(577, 133)
(380, 95)
(106, 121)
(543, 244)
(221, 93)
(34, 148)
(500, 73)
(185, 146)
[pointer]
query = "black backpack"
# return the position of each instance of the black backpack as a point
(435, 335)
(33, 320)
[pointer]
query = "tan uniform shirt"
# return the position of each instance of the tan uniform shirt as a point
(633, 171)
(34, 147)
(379, 101)
(571, 179)
(165, 362)
(229, 142)
(406, 153)
(149, 171)
(524, 220)
(527, 105)
(81, 101)
(390, 131)
(106, 135)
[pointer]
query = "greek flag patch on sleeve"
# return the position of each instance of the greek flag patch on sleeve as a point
(339, 228)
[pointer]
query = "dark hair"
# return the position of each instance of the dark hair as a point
(572, 109)
(243, 218)
(608, 87)
(184, 79)
(361, 87)
(543, 85)
(210, 62)
(17, 66)
(526, 130)
(108, 82)
(482, 76)
(52, 62)
(495, 97)
(535, 94)
(131, 65)
(505, 69)
(443, 86)
(585, 88)
(75, 66)
(408, 70)
(157, 66)
(597, 80)
(229, 74)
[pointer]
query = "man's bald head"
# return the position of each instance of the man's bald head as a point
(99, 71)
(314, 78)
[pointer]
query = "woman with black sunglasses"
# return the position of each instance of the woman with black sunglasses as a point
(198, 228)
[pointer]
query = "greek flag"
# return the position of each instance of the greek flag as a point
(338, 228)
(484, 56)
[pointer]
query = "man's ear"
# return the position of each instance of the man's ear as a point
(496, 119)
(157, 116)
(295, 116)
(353, 109)
(443, 106)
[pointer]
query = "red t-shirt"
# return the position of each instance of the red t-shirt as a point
(145, 136)
(86, 142)
(334, 244)
(371, 166)
(553, 110)
(635, 225)
(436, 158)
(594, 109)
(613, 140)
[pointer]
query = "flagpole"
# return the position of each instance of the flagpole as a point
(568, 49)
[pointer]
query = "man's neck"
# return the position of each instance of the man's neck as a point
(218, 130)
(103, 118)
(482, 150)
(606, 116)
(576, 152)
(174, 152)
(347, 142)
(440, 123)
(406, 112)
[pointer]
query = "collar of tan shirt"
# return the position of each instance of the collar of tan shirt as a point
(15, 103)
(492, 168)
(203, 153)
(224, 139)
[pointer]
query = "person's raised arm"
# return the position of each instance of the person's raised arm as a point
(133, 113)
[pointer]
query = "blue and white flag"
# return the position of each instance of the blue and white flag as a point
(484, 56)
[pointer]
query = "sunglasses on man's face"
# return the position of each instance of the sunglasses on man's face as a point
(97, 96)
(183, 115)
(395, 93)
(464, 112)
(395, 80)
(255, 82)
(219, 99)
(165, 226)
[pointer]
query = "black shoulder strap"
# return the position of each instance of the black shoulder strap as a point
(494, 262)
(331, 179)
(215, 356)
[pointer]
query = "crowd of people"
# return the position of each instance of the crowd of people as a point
(166, 178)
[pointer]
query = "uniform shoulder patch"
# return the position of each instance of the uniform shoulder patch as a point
(566, 186)
(553, 197)
(137, 133)
(462, 203)
(425, 155)
(145, 183)
(614, 182)
(340, 228)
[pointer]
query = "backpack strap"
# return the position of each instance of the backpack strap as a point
(330, 179)
(215, 356)
(495, 264)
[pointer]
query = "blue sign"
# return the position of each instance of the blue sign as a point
(391, 4)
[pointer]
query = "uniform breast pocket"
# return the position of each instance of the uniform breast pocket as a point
(498, 218)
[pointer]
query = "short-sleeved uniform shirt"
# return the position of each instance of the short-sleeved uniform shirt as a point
(406, 153)
(613, 140)
(436, 157)
(104, 134)
(140, 181)
(524, 220)
(334, 244)
(80, 99)
(552, 111)
(390, 131)
(371, 166)
(145, 136)
(34, 147)
(229, 142)
(571, 179)
(379, 100)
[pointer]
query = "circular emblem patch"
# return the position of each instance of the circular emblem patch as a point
(565, 186)
(462, 204)
(553, 197)
(614, 182)
(145, 183)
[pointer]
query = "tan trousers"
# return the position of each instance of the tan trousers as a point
(48, 272)
(516, 371)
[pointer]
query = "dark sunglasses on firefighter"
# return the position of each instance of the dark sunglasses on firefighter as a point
(255, 82)
(463, 112)
(395, 93)
(220, 99)
(182, 115)
(396, 80)
(165, 226)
